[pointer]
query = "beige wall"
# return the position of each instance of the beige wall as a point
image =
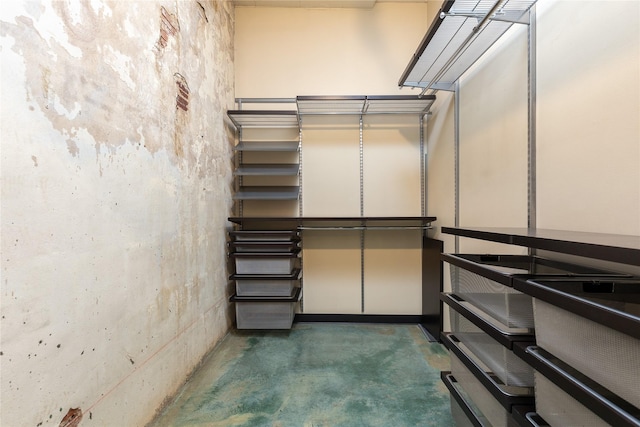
(589, 116)
(588, 127)
(114, 204)
(284, 52)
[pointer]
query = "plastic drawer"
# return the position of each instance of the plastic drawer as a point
(463, 412)
(511, 369)
(260, 235)
(486, 280)
(264, 288)
(559, 409)
(261, 263)
(265, 313)
(510, 307)
(259, 285)
(489, 408)
(609, 357)
(493, 399)
(263, 246)
(597, 330)
(460, 418)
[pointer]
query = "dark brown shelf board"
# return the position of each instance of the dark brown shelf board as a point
(608, 247)
(335, 222)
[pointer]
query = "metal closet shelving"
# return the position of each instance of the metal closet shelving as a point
(586, 329)
(264, 119)
(242, 119)
(363, 105)
(306, 106)
(461, 33)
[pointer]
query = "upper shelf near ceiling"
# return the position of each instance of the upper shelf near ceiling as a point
(461, 33)
(326, 105)
(357, 105)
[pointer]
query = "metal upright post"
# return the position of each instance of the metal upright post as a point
(456, 155)
(423, 174)
(362, 231)
(532, 87)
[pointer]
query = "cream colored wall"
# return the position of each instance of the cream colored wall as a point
(588, 128)
(114, 204)
(285, 52)
(589, 116)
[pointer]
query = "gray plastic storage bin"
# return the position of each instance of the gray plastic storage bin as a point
(265, 263)
(607, 356)
(511, 369)
(510, 307)
(489, 407)
(264, 288)
(265, 285)
(487, 280)
(593, 325)
(266, 312)
(560, 409)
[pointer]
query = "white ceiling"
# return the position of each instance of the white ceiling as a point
(360, 4)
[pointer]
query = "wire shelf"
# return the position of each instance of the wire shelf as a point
(463, 31)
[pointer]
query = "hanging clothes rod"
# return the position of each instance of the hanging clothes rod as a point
(462, 47)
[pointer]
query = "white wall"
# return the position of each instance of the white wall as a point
(588, 127)
(114, 204)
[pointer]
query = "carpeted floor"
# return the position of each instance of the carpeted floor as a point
(317, 374)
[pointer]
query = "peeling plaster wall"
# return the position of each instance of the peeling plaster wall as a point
(116, 186)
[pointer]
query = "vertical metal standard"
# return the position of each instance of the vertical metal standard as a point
(423, 194)
(532, 88)
(456, 156)
(361, 214)
(300, 166)
(300, 201)
(238, 162)
(240, 180)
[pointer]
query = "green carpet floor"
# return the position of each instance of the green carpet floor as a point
(320, 375)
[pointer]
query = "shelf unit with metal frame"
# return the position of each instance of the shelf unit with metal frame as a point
(332, 105)
(264, 120)
(585, 328)
(461, 33)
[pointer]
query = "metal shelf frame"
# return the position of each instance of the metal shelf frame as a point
(461, 33)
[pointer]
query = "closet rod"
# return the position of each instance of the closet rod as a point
(463, 46)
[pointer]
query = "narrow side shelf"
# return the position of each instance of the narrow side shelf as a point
(285, 146)
(264, 118)
(267, 193)
(280, 169)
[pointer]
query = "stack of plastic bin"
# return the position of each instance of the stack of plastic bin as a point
(266, 276)
(489, 320)
(587, 364)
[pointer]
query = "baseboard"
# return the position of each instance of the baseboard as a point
(358, 318)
